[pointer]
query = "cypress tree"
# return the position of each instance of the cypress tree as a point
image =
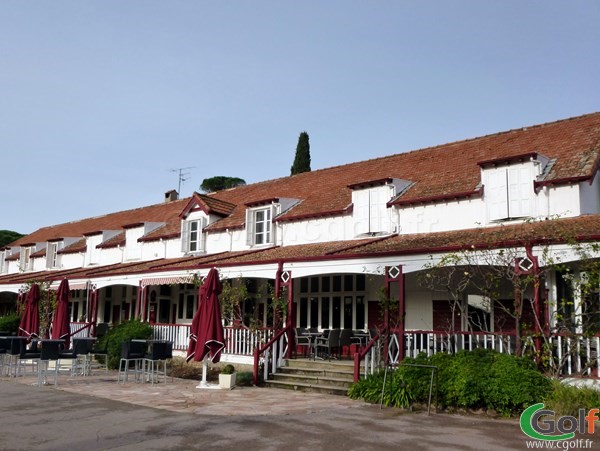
(302, 158)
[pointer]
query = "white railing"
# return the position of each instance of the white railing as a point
(79, 330)
(238, 341)
(571, 355)
(178, 334)
(271, 356)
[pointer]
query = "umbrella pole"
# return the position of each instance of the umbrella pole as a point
(203, 383)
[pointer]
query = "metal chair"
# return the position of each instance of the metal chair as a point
(302, 340)
(330, 343)
(132, 352)
(345, 341)
(155, 362)
(50, 352)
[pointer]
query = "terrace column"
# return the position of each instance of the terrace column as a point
(394, 274)
(537, 296)
(283, 280)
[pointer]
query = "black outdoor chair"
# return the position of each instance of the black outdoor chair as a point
(302, 340)
(50, 352)
(330, 343)
(345, 341)
(132, 352)
(155, 361)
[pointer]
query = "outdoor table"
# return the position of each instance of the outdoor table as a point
(312, 337)
(360, 336)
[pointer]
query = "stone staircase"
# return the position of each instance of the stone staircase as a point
(320, 376)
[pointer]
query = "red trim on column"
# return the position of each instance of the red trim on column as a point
(389, 279)
(536, 300)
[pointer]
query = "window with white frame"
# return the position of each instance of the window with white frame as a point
(509, 191)
(259, 226)
(52, 257)
(193, 239)
(3, 265)
(370, 211)
(25, 258)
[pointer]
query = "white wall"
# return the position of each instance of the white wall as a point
(464, 214)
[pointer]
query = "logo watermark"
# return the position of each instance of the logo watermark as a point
(543, 424)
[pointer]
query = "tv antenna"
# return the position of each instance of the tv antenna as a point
(183, 176)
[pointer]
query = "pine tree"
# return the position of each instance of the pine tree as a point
(302, 159)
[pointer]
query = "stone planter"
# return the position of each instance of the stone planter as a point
(227, 381)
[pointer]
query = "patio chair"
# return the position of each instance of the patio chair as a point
(19, 357)
(99, 357)
(50, 352)
(345, 341)
(302, 340)
(330, 343)
(155, 362)
(79, 356)
(132, 352)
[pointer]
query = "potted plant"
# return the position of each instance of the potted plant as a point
(227, 377)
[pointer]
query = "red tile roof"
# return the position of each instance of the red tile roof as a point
(440, 172)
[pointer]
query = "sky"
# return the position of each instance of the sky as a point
(102, 102)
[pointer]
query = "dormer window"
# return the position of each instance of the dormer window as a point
(52, 254)
(509, 186)
(262, 226)
(193, 239)
(259, 222)
(3, 263)
(25, 258)
(370, 210)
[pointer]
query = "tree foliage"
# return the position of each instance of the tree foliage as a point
(8, 236)
(220, 182)
(302, 158)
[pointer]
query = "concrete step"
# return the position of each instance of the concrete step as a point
(315, 380)
(318, 372)
(307, 387)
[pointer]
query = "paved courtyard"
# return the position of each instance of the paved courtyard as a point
(97, 413)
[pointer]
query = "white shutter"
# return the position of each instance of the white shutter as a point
(379, 213)
(520, 190)
(185, 236)
(361, 211)
(496, 195)
(202, 235)
(270, 224)
(249, 227)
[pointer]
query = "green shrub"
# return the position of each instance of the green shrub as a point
(244, 378)
(10, 323)
(228, 369)
(125, 331)
(396, 394)
(568, 399)
(480, 379)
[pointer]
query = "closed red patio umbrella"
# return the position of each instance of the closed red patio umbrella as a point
(30, 322)
(206, 334)
(60, 323)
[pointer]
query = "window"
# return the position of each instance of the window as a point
(52, 255)
(509, 191)
(3, 265)
(192, 238)
(25, 259)
(259, 226)
(370, 212)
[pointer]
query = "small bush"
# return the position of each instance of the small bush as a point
(125, 331)
(396, 393)
(10, 323)
(227, 369)
(179, 368)
(244, 379)
(568, 399)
